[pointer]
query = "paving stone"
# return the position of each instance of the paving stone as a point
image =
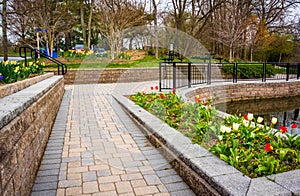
(74, 191)
(171, 179)
(89, 176)
(44, 193)
(90, 187)
(146, 190)
(176, 186)
(152, 179)
(104, 173)
(41, 179)
(69, 183)
(45, 186)
(133, 176)
(107, 187)
(107, 179)
(183, 193)
(123, 187)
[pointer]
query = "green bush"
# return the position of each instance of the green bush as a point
(248, 71)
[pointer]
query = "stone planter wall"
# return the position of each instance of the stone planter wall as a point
(204, 172)
(9, 89)
(26, 120)
(221, 93)
(110, 75)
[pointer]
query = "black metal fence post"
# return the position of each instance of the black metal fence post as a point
(264, 76)
(298, 71)
(209, 71)
(159, 84)
(234, 75)
(287, 71)
(174, 75)
(189, 75)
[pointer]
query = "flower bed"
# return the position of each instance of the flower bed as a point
(12, 71)
(242, 141)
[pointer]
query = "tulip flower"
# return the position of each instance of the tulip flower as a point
(294, 126)
(259, 120)
(268, 147)
(283, 129)
(250, 116)
(274, 120)
(235, 126)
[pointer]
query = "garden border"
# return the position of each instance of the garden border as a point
(204, 172)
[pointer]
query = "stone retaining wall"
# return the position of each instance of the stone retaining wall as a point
(26, 121)
(9, 89)
(111, 75)
(221, 93)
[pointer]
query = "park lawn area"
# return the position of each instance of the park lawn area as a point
(100, 63)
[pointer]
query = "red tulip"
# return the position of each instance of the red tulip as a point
(156, 87)
(152, 88)
(174, 91)
(294, 126)
(161, 96)
(283, 129)
(268, 147)
(245, 116)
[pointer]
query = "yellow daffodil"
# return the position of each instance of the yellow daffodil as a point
(17, 69)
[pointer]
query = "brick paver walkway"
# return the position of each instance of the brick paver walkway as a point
(96, 149)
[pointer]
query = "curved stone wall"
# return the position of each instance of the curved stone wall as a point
(221, 93)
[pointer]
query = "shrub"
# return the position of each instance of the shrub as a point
(248, 71)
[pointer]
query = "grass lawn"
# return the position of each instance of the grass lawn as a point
(98, 63)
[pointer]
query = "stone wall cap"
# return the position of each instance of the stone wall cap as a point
(12, 105)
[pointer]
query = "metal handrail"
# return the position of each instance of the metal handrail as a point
(33, 54)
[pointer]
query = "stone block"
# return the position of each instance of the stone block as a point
(262, 186)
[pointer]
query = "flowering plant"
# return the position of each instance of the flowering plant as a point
(12, 71)
(254, 148)
(192, 119)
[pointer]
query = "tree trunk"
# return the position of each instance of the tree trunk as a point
(83, 27)
(155, 28)
(4, 30)
(230, 54)
(51, 39)
(89, 25)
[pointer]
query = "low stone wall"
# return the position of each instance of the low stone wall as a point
(9, 89)
(221, 93)
(111, 75)
(204, 172)
(26, 120)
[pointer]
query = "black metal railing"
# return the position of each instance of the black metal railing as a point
(185, 74)
(61, 67)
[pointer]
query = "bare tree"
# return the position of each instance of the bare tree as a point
(4, 30)
(231, 22)
(114, 16)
